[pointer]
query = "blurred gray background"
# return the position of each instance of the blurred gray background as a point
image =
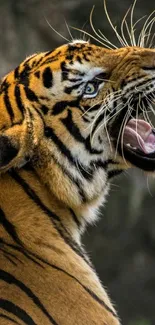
(122, 243)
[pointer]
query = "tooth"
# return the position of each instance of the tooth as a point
(128, 144)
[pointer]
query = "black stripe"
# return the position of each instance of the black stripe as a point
(142, 83)
(9, 227)
(9, 255)
(12, 255)
(91, 293)
(22, 250)
(54, 56)
(86, 119)
(17, 311)
(101, 77)
(53, 217)
(8, 150)
(66, 152)
(30, 95)
(65, 71)
(9, 259)
(59, 107)
(18, 99)
(75, 48)
(47, 78)
(114, 172)
(4, 86)
(87, 172)
(98, 121)
(38, 62)
(75, 218)
(85, 57)
(37, 74)
(93, 108)
(76, 181)
(25, 63)
(75, 132)
(49, 53)
(49, 133)
(69, 57)
(68, 90)
(9, 318)
(34, 63)
(24, 75)
(75, 79)
(44, 98)
(148, 68)
(16, 73)
(49, 60)
(8, 106)
(78, 58)
(44, 109)
(38, 110)
(72, 127)
(10, 279)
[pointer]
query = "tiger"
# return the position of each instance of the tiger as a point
(70, 120)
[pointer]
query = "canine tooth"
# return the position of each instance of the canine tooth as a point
(128, 144)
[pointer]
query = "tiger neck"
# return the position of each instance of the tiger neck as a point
(33, 210)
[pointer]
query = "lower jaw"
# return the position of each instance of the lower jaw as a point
(144, 162)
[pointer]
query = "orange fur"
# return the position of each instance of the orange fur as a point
(52, 185)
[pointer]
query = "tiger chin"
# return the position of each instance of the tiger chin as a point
(70, 120)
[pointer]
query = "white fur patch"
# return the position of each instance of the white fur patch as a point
(90, 72)
(76, 41)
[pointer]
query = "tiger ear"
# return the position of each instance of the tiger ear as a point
(8, 151)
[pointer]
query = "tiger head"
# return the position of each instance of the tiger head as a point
(81, 110)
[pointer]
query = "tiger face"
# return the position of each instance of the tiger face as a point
(82, 106)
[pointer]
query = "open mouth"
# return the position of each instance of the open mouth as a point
(138, 144)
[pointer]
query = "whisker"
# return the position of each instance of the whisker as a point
(146, 116)
(105, 121)
(83, 35)
(132, 30)
(151, 41)
(104, 38)
(116, 95)
(144, 29)
(122, 27)
(111, 24)
(93, 28)
(78, 163)
(137, 127)
(150, 31)
(91, 36)
(66, 39)
(128, 113)
(148, 187)
(69, 32)
(122, 125)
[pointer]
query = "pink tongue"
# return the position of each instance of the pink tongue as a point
(138, 134)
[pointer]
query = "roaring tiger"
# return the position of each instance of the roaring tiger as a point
(70, 119)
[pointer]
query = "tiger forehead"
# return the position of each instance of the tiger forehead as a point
(78, 55)
(80, 58)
